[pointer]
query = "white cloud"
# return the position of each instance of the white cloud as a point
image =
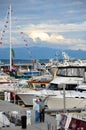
(39, 35)
(67, 35)
(54, 38)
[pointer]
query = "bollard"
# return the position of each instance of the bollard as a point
(49, 126)
(29, 117)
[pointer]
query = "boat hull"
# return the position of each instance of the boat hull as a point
(27, 98)
(54, 103)
(70, 103)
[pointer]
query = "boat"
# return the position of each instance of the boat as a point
(71, 121)
(7, 83)
(68, 78)
(73, 100)
(67, 61)
(65, 86)
(36, 85)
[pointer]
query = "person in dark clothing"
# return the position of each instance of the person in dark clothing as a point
(23, 118)
(42, 109)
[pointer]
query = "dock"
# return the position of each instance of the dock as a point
(48, 124)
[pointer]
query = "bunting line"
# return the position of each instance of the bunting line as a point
(6, 22)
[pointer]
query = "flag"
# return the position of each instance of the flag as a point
(37, 61)
(13, 53)
(0, 42)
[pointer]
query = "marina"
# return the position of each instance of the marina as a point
(62, 90)
(42, 93)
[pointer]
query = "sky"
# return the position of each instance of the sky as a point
(45, 23)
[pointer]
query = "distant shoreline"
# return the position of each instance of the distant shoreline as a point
(6, 61)
(25, 61)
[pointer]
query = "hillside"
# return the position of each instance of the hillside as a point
(41, 53)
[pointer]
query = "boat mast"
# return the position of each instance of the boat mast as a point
(10, 39)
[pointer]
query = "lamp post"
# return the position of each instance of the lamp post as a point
(64, 98)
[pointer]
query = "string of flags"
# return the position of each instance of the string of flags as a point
(6, 22)
(23, 38)
(26, 43)
(3, 32)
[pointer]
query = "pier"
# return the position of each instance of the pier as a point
(48, 124)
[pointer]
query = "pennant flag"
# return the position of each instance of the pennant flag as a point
(6, 21)
(21, 32)
(3, 31)
(0, 42)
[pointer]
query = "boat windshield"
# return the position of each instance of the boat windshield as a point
(60, 87)
(71, 71)
(23, 86)
(52, 87)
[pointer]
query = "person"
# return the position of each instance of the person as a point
(42, 109)
(37, 111)
(23, 118)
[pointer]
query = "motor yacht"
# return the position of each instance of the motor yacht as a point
(68, 78)
(65, 86)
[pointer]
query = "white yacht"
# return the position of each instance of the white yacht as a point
(65, 86)
(68, 77)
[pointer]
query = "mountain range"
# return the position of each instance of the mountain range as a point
(41, 53)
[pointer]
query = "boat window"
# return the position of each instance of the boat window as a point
(71, 72)
(23, 86)
(37, 86)
(70, 87)
(43, 86)
(19, 85)
(53, 87)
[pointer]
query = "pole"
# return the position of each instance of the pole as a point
(15, 92)
(64, 98)
(10, 39)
